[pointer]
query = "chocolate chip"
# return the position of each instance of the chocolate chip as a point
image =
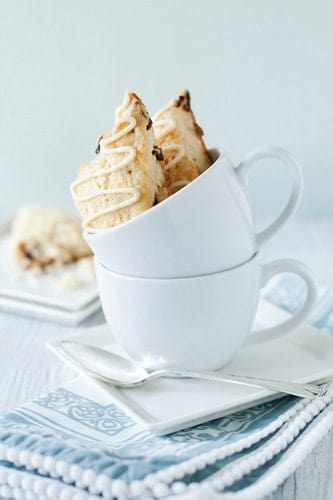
(179, 101)
(187, 101)
(29, 255)
(98, 149)
(184, 101)
(198, 130)
(157, 152)
(149, 124)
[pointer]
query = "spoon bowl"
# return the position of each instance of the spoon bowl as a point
(102, 364)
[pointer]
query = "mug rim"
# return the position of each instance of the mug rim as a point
(89, 236)
(255, 257)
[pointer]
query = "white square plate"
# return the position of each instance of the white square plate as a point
(42, 289)
(167, 405)
(48, 313)
(39, 296)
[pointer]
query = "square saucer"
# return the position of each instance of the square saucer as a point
(168, 405)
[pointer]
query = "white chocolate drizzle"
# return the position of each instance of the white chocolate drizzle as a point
(165, 125)
(130, 153)
(124, 104)
(179, 155)
(162, 127)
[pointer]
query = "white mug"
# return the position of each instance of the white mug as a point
(195, 323)
(204, 228)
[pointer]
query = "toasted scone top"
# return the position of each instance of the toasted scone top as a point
(125, 177)
(180, 137)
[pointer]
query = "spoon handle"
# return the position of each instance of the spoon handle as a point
(309, 391)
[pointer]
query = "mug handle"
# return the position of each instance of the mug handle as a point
(297, 185)
(270, 270)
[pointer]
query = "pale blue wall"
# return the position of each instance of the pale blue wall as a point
(260, 72)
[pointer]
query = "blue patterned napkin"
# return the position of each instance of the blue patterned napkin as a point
(66, 446)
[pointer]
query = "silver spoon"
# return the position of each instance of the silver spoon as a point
(119, 371)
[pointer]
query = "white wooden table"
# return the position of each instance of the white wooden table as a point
(28, 369)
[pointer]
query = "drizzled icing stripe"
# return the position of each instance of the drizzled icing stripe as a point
(130, 152)
(179, 155)
(130, 190)
(165, 125)
(162, 127)
(131, 124)
(124, 105)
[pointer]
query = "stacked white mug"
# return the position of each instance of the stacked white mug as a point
(179, 284)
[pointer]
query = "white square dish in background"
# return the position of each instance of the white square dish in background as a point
(42, 296)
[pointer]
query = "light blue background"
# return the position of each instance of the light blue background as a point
(260, 72)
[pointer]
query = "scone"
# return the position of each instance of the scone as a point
(181, 140)
(127, 176)
(43, 235)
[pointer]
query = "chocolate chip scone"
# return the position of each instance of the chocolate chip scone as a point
(44, 235)
(181, 140)
(127, 176)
